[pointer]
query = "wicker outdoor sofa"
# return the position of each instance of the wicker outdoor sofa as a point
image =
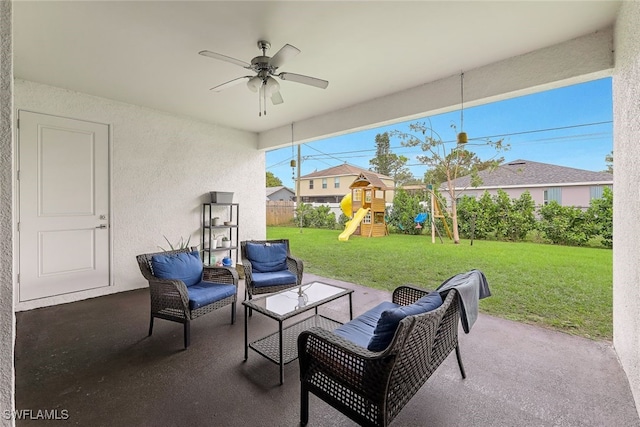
(371, 387)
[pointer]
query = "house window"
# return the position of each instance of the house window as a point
(357, 195)
(336, 182)
(553, 194)
(324, 182)
(367, 196)
(310, 184)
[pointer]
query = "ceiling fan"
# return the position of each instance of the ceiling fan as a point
(266, 68)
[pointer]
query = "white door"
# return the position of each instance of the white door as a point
(64, 205)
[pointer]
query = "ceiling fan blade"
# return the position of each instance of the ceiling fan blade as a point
(299, 78)
(276, 98)
(225, 58)
(229, 83)
(283, 55)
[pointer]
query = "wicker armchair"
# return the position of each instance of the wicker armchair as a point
(264, 283)
(372, 387)
(171, 299)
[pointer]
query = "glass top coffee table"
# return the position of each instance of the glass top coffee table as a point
(281, 347)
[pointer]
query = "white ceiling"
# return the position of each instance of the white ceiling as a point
(146, 53)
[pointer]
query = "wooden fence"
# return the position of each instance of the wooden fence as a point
(280, 212)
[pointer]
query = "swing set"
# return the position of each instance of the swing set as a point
(437, 212)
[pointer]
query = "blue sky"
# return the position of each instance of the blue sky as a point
(570, 126)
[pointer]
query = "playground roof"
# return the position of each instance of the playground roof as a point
(369, 179)
(527, 173)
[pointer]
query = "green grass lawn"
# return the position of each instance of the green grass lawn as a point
(564, 288)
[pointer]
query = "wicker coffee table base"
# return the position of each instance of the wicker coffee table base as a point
(281, 347)
(269, 346)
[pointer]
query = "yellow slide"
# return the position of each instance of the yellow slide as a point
(351, 225)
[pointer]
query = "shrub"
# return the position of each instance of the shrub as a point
(468, 212)
(319, 217)
(600, 213)
(565, 225)
(342, 220)
(322, 217)
(521, 218)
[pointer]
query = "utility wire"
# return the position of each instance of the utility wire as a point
(323, 155)
(488, 137)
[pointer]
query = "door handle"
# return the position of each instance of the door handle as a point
(102, 226)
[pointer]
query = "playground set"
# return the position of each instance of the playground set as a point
(365, 205)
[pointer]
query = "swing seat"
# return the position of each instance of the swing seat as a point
(421, 217)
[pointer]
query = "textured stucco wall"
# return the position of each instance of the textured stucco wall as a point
(626, 203)
(162, 168)
(7, 318)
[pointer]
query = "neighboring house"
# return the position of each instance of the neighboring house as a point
(331, 185)
(545, 182)
(280, 193)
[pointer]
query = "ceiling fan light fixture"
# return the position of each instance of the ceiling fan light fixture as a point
(266, 68)
(272, 86)
(254, 83)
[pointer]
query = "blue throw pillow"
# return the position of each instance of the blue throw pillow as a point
(185, 266)
(390, 319)
(267, 257)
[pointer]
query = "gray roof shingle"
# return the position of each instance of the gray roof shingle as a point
(343, 169)
(526, 173)
(271, 190)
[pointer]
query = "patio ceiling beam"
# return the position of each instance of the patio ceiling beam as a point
(575, 61)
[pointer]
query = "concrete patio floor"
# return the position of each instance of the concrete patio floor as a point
(93, 358)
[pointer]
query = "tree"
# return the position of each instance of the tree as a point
(609, 161)
(272, 180)
(405, 209)
(468, 163)
(449, 160)
(387, 163)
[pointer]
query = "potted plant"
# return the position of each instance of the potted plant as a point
(181, 244)
(226, 242)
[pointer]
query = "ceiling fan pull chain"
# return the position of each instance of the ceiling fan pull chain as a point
(264, 98)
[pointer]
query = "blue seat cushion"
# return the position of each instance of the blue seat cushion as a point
(360, 330)
(185, 266)
(389, 319)
(276, 278)
(267, 257)
(205, 293)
